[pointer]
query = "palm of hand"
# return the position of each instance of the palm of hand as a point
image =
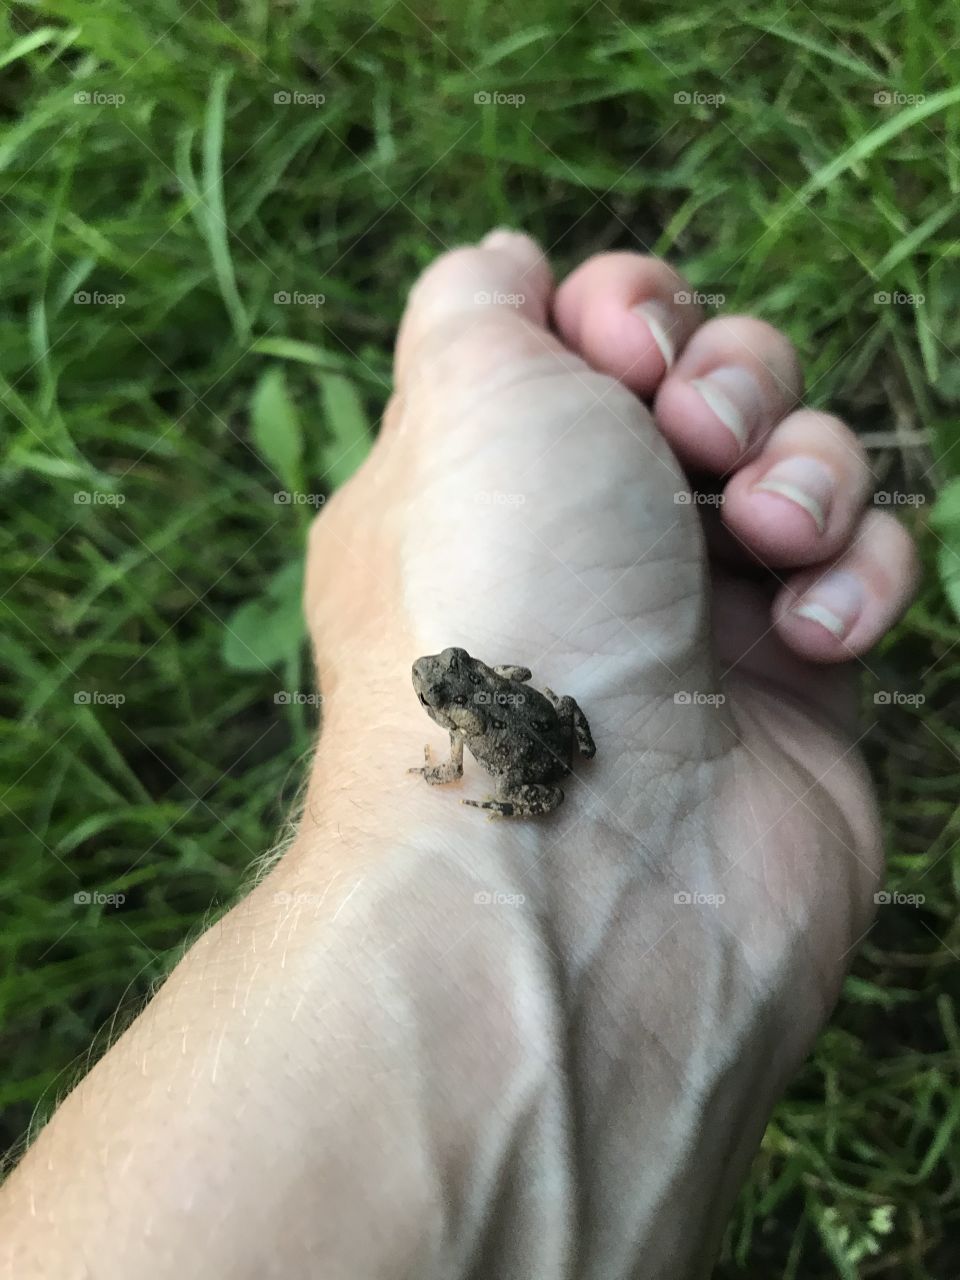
(549, 528)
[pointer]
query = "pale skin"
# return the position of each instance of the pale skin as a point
(431, 1045)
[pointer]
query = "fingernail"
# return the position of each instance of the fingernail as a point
(805, 481)
(835, 602)
(660, 322)
(734, 396)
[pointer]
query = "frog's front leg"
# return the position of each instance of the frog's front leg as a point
(512, 673)
(450, 770)
(574, 724)
(519, 799)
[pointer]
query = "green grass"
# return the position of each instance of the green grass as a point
(198, 198)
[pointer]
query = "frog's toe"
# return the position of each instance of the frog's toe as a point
(497, 808)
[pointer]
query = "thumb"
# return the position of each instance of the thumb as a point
(475, 305)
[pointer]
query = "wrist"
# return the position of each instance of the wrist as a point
(450, 1014)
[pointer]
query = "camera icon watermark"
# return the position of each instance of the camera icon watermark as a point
(690, 898)
(97, 698)
(894, 898)
(687, 298)
(295, 98)
(298, 298)
(695, 698)
(894, 98)
(497, 498)
(94, 298)
(283, 898)
(897, 498)
(496, 99)
(897, 698)
(288, 498)
(686, 498)
(95, 98)
(691, 98)
(93, 897)
(97, 498)
(499, 698)
(899, 299)
(498, 299)
(295, 698)
(494, 898)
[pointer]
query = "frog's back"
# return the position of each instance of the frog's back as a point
(522, 733)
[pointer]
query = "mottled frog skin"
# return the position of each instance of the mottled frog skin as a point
(523, 738)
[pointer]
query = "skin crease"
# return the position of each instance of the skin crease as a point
(430, 1044)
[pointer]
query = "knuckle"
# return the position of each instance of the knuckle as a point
(760, 341)
(833, 428)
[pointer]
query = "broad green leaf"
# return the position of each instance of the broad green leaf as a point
(347, 439)
(265, 635)
(948, 568)
(945, 512)
(275, 427)
(945, 521)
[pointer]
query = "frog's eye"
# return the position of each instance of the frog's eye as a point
(460, 700)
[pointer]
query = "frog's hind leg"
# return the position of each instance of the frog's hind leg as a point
(574, 725)
(512, 673)
(581, 729)
(517, 799)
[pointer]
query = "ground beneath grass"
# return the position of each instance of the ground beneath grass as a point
(212, 215)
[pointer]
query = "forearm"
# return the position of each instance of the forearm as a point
(332, 1076)
(370, 1068)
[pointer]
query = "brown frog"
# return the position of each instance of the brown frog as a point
(523, 738)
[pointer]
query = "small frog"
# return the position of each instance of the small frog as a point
(523, 738)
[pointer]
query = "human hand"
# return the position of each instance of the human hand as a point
(692, 906)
